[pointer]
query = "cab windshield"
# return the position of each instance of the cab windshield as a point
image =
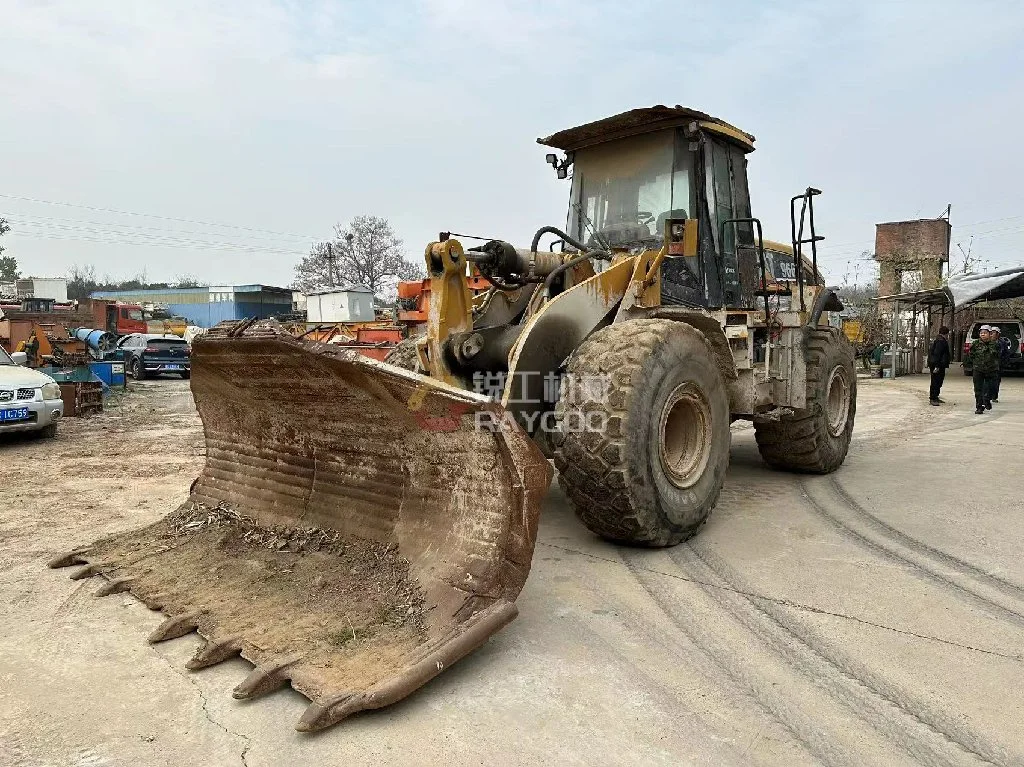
(624, 190)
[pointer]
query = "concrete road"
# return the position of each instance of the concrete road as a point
(875, 616)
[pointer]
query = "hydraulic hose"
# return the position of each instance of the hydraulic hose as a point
(558, 233)
(569, 264)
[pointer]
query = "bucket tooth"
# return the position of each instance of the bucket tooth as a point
(215, 652)
(319, 716)
(85, 572)
(265, 678)
(416, 671)
(68, 558)
(114, 586)
(175, 626)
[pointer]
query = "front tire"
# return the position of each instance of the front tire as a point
(643, 460)
(816, 439)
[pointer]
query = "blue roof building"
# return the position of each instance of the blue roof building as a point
(205, 307)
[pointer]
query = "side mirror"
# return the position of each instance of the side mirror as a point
(19, 358)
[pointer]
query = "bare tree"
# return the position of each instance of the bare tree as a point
(366, 252)
(859, 288)
(81, 282)
(969, 263)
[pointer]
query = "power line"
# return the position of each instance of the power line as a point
(182, 244)
(37, 220)
(151, 215)
(36, 231)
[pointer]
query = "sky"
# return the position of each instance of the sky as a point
(221, 139)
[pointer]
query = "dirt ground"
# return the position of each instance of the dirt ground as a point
(875, 616)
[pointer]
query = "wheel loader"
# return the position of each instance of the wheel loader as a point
(361, 525)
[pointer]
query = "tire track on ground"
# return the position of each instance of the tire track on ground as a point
(795, 700)
(1009, 588)
(607, 636)
(915, 425)
(907, 721)
(972, 584)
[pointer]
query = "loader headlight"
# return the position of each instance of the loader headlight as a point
(51, 391)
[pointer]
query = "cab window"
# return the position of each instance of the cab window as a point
(728, 197)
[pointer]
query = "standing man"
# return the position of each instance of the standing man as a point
(938, 361)
(1003, 345)
(984, 359)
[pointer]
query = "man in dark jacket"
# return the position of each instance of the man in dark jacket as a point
(938, 361)
(1003, 345)
(983, 357)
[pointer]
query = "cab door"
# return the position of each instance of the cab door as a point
(724, 184)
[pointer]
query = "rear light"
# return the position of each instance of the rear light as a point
(151, 350)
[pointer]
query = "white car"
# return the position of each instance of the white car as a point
(29, 400)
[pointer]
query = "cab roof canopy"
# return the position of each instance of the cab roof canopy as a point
(643, 120)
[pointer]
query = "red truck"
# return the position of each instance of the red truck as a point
(117, 317)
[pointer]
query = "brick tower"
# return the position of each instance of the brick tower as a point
(909, 246)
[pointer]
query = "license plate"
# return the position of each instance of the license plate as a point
(173, 367)
(14, 414)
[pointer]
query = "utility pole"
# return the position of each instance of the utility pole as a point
(895, 335)
(330, 264)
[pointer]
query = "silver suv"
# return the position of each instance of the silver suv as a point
(29, 400)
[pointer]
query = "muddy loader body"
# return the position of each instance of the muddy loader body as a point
(359, 526)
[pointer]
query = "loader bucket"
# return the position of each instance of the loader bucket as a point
(353, 532)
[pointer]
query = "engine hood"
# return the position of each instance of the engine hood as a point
(16, 375)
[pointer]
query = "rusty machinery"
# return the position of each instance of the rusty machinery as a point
(51, 344)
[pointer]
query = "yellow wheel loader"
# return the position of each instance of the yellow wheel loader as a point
(359, 526)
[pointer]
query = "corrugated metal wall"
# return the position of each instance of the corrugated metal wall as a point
(206, 315)
(194, 304)
(172, 296)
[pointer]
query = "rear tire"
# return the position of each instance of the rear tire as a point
(643, 461)
(816, 439)
(404, 356)
(137, 371)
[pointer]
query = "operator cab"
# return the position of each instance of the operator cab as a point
(634, 171)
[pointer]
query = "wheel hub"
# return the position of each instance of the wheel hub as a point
(685, 435)
(837, 403)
